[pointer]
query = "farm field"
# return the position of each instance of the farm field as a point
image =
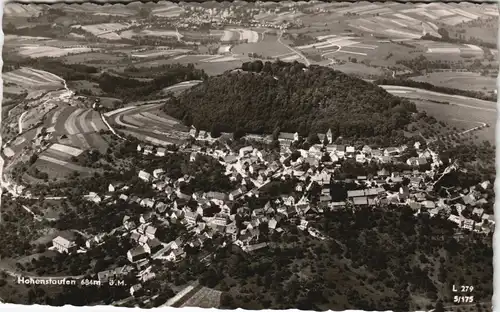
(20, 10)
(167, 10)
(237, 34)
(28, 79)
(101, 29)
(129, 34)
(460, 80)
(71, 120)
(460, 108)
(158, 53)
(59, 169)
(269, 47)
(37, 51)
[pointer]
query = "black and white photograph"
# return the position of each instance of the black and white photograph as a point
(257, 155)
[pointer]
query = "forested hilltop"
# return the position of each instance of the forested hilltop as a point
(265, 96)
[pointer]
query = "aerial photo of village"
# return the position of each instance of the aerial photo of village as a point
(268, 155)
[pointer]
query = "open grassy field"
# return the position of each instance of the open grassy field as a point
(460, 80)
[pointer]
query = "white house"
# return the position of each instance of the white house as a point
(145, 176)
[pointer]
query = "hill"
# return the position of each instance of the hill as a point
(288, 96)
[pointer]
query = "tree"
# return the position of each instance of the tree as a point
(215, 132)
(439, 307)
(238, 134)
(227, 301)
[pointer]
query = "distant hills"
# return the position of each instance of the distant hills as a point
(265, 96)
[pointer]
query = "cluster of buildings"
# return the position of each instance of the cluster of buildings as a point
(212, 215)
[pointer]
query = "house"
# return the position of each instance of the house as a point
(235, 194)
(150, 231)
(455, 219)
(288, 137)
(429, 204)
(468, 224)
(350, 149)
(391, 151)
(146, 217)
(152, 246)
(145, 176)
(366, 149)
(161, 151)
(360, 158)
(136, 254)
(123, 197)
(271, 224)
(216, 195)
(136, 290)
(161, 207)
(191, 217)
(192, 132)
(329, 136)
(147, 202)
(176, 255)
(416, 161)
(93, 197)
(360, 201)
(139, 147)
(111, 188)
(355, 193)
(158, 173)
(478, 212)
(244, 151)
(486, 184)
(148, 149)
(416, 182)
(65, 243)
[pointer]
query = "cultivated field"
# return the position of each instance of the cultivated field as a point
(30, 79)
(129, 34)
(20, 10)
(460, 80)
(159, 53)
(235, 34)
(71, 120)
(36, 51)
(102, 29)
(165, 9)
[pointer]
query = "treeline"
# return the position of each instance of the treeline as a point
(134, 89)
(288, 97)
(431, 87)
(68, 72)
(446, 38)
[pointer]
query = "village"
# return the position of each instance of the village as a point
(252, 169)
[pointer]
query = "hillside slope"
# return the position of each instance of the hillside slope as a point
(293, 98)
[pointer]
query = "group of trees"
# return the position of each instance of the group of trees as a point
(290, 97)
(397, 254)
(445, 37)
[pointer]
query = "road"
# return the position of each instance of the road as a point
(20, 121)
(292, 49)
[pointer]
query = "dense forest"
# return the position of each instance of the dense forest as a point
(431, 87)
(264, 97)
